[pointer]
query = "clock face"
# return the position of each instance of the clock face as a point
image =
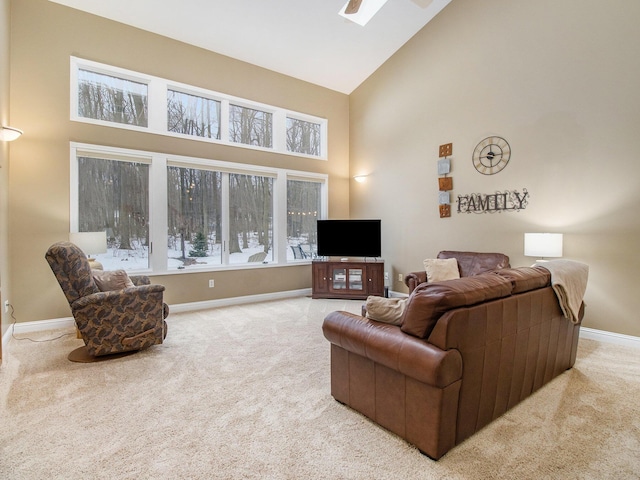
(491, 155)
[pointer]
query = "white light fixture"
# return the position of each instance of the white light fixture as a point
(360, 178)
(543, 245)
(367, 10)
(9, 134)
(91, 243)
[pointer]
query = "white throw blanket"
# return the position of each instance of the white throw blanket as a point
(569, 281)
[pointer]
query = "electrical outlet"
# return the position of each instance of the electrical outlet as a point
(399, 277)
(212, 283)
(386, 275)
(6, 305)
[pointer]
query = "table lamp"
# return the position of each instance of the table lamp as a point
(90, 243)
(542, 245)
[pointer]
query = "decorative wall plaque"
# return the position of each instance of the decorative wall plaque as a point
(445, 211)
(445, 184)
(445, 150)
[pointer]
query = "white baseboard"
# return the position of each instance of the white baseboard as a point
(609, 337)
(226, 302)
(68, 322)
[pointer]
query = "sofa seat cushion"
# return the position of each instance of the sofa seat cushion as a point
(524, 279)
(429, 301)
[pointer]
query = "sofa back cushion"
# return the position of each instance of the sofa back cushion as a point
(473, 263)
(429, 301)
(524, 279)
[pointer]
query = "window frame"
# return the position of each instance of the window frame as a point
(157, 110)
(158, 201)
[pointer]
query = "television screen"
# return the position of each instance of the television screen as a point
(349, 238)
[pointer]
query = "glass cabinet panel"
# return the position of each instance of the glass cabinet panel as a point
(355, 278)
(339, 278)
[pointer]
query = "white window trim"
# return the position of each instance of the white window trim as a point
(157, 105)
(158, 162)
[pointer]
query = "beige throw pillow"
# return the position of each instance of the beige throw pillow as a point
(111, 280)
(439, 269)
(387, 310)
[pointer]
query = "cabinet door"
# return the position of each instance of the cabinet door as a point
(375, 279)
(320, 277)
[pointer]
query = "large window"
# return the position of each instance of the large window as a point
(194, 217)
(113, 196)
(304, 204)
(111, 96)
(205, 214)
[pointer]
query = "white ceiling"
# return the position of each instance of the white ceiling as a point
(305, 39)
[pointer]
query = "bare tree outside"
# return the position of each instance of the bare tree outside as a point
(303, 211)
(250, 212)
(113, 99)
(113, 196)
(194, 211)
(251, 127)
(303, 137)
(193, 115)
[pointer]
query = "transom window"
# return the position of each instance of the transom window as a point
(193, 115)
(107, 95)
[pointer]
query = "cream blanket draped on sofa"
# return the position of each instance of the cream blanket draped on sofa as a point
(569, 281)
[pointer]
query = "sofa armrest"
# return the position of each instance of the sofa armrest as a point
(413, 279)
(387, 345)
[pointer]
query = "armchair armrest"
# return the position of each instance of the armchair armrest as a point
(139, 280)
(112, 322)
(413, 279)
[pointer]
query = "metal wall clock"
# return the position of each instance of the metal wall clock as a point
(491, 155)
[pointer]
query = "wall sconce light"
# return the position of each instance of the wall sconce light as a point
(360, 178)
(543, 245)
(9, 134)
(90, 243)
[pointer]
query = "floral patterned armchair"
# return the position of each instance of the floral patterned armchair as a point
(109, 322)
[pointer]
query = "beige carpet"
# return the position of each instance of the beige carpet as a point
(243, 392)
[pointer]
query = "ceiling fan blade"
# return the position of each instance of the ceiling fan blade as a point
(353, 7)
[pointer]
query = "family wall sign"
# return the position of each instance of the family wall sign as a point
(507, 201)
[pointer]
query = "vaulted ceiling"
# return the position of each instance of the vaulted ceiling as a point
(305, 39)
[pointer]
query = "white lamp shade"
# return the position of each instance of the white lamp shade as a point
(543, 245)
(91, 243)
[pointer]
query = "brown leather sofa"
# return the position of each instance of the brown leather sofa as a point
(467, 351)
(469, 263)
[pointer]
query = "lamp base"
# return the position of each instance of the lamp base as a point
(94, 264)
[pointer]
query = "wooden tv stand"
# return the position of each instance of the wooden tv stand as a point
(349, 279)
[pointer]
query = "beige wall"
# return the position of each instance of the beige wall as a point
(44, 36)
(4, 160)
(558, 80)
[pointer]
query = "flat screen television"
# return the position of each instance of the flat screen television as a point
(349, 238)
